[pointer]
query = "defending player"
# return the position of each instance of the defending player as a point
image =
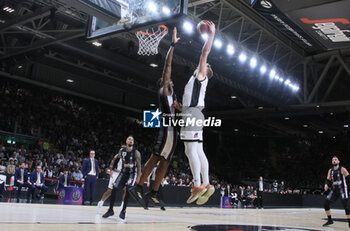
(130, 173)
(114, 173)
(167, 138)
(336, 182)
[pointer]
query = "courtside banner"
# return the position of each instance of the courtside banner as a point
(270, 11)
(327, 23)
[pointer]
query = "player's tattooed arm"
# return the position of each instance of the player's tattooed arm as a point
(344, 172)
(138, 165)
(329, 175)
(166, 76)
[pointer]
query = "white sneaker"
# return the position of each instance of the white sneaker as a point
(99, 206)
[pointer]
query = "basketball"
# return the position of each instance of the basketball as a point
(202, 27)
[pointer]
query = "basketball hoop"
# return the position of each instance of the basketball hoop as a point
(148, 42)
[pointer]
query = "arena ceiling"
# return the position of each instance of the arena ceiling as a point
(43, 42)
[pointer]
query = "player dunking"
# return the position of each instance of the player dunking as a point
(193, 104)
(131, 169)
(337, 180)
(167, 138)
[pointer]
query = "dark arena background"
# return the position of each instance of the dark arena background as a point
(78, 75)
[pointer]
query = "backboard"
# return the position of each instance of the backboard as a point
(133, 14)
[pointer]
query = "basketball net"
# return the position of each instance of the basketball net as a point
(149, 41)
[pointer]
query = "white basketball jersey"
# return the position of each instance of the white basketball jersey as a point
(194, 93)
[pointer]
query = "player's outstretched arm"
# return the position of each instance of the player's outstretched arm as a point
(138, 165)
(202, 67)
(166, 76)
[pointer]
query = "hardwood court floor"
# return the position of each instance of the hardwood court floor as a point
(44, 217)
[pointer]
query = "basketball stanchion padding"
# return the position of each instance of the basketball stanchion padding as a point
(149, 41)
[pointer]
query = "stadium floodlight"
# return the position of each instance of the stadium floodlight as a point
(205, 36)
(272, 73)
(294, 87)
(242, 57)
(263, 69)
(98, 44)
(8, 9)
(166, 10)
(230, 49)
(188, 27)
(253, 62)
(70, 80)
(152, 7)
(218, 43)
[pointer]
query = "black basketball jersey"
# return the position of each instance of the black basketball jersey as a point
(338, 178)
(165, 103)
(128, 160)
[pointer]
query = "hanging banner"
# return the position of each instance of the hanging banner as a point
(271, 12)
(328, 23)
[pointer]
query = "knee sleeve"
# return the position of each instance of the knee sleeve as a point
(326, 205)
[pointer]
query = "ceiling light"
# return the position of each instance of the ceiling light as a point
(98, 44)
(260, 108)
(286, 118)
(188, 27)
(152, 105)
(253, 62)
(346, 125)
(154, 65)
(205, 36)
(152, 7)
(305, 125)
(230, 49)
(242, 57)
(236, 130)
(217, 43)
(321, 132)
(233, 97)
(263, 70)
(272, 73)
(70, 80)
(166, 10)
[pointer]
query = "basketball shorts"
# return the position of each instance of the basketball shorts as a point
(112, 179)
(192, 132)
